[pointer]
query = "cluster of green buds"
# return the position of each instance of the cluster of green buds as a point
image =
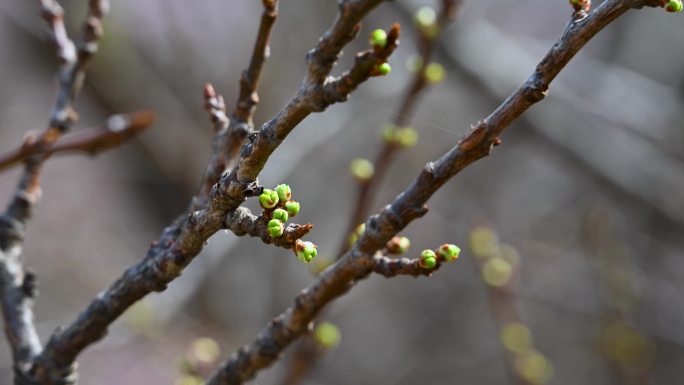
(674, 6)
(378, 41)
(278, 208)
(426, 22)
(400, 136)
(362, 169)
(305, 251)
(445, 253)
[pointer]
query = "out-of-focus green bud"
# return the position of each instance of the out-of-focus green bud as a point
(362, 169)
(434, 73)
(497, 272)
(327, 335)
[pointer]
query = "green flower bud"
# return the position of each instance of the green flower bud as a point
(378, 38)
(516, 337)
(414, 63)
(428, 259)
(203, 351)
(407, 137)
(327, 334)
(275, 228)
(434, 73)
(448, 252)
(362, 169)
(292, 208)
(534, 367)
(388, 133)
(426, 21)
(284, 192)
(674, 6)
(384, 69)
(268, 199)
(398, 245)
(280, 215)
(306, 251)
(497, 272)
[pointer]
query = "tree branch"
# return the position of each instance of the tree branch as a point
(241, 222)
(114, 132)
(409, 205)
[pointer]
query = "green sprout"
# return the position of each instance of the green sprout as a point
(378, 38)
(448, 252)
(280, 215)
(384, 69)
(275, 228)
(268, 199)
(306, 251)
(674, 6)
(428, 259)
(292, 208)
(284, 192)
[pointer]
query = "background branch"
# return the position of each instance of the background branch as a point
(114, 132)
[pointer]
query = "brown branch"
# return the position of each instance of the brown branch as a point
(385, 157)
(114, 132)
(182, 241)
(391, 267)
(242, 222)
(358, 263)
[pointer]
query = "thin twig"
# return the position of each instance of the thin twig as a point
(359, 263)
(114, 132)
(230, 134)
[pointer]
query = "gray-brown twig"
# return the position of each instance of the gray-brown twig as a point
(114, 132)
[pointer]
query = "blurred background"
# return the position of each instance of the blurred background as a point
(584, 200)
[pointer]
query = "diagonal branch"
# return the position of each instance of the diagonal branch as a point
(409, 205)
(114, 132)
